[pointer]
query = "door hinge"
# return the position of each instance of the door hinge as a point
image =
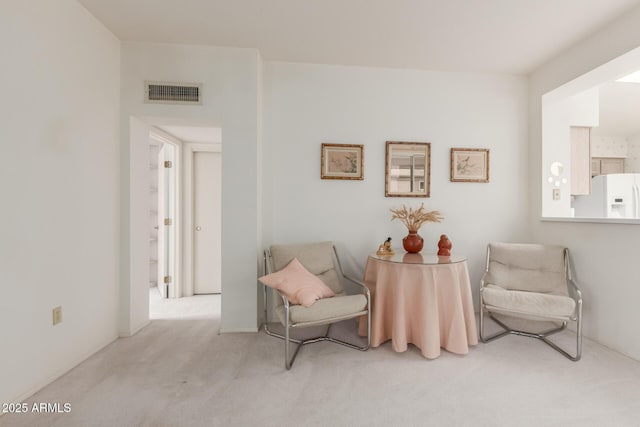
(168, 164)
(167, 279)
(167, 221)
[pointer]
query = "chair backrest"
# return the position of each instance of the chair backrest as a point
(315, 257)
(527, 267)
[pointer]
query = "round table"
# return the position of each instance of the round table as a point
(422, 299)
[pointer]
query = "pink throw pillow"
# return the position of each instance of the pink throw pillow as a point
(298, 284)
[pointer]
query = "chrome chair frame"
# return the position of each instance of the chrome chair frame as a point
(288, 360)
(542, 336)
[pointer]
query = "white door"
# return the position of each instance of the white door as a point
(207, 196)
(166, 220)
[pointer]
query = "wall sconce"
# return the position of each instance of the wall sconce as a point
(556, 179)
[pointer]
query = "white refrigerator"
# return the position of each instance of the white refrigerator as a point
(612, 196)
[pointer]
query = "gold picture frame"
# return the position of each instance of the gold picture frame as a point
(342, 161)
(469, 165)
(408, 169)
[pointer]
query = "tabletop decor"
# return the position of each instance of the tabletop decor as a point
(413, 220)
(385, 248)
(444, 246)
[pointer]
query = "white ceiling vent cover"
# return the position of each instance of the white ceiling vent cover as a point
(172, 93)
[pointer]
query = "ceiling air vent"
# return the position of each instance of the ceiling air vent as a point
(172, 93)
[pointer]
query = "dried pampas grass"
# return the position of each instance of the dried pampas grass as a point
(414, 219)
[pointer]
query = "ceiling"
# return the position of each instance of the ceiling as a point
(501, 36)
(197, 134)
(619, 110)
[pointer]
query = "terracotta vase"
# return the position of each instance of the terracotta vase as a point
(413, 243)
(444, 246)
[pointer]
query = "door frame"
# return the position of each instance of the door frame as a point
(175, 287)
(190, 150)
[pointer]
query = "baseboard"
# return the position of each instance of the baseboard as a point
(39, 386)
(237, 330)
(134, 330)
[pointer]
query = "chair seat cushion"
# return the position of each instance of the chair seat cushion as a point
(339, 307)
(533, 304)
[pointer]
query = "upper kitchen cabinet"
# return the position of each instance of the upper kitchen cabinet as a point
(608, 154)
(604, 166)
(580, 145)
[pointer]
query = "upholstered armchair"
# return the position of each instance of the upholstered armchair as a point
(293, 273)
(532, 283)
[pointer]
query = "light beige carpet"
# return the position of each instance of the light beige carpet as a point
(182, 373)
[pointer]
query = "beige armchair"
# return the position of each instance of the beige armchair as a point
(531, 282)
(320, 259)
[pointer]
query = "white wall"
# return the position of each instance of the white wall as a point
(59, 185)
(558, 115)
(306, 105)
(230, 79)
(609, 146)
(605, 255)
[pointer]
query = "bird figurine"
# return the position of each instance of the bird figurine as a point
(385, 248)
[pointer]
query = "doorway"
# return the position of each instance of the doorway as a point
(137, 253)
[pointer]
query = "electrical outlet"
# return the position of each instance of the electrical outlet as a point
(57, 315)
(556, 194)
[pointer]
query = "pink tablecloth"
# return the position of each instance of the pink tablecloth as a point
(428, 305)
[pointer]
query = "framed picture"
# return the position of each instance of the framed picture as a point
(342, 161)
(408, 169)
(469, 165)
